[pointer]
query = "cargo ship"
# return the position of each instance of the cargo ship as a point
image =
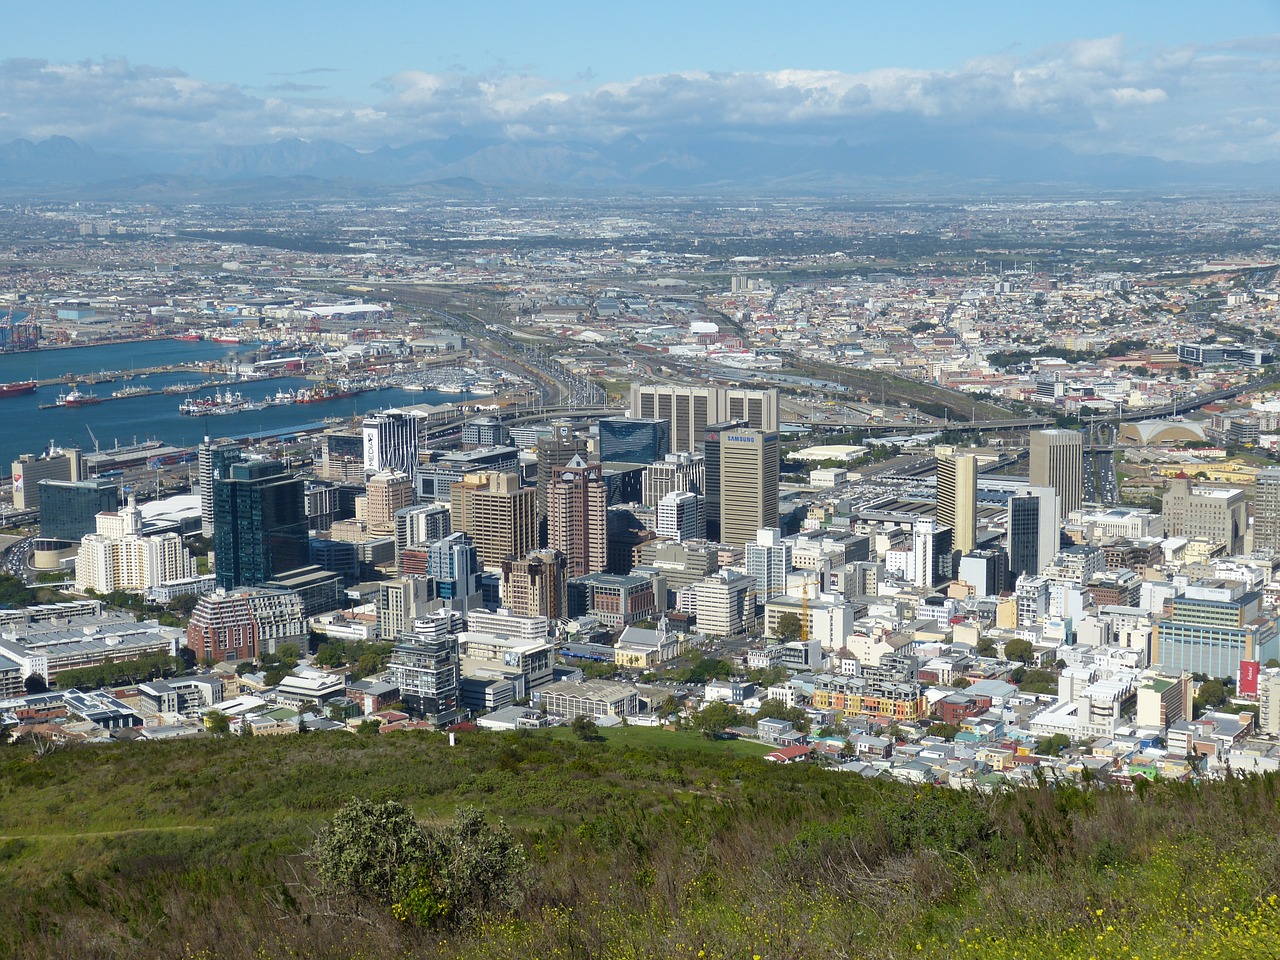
(76, 398)
(17, 389)
(326, 391)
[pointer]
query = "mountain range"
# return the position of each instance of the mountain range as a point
(915, 162)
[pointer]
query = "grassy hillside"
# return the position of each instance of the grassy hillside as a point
(638, 850)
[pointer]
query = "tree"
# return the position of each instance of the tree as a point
(217, 723)
(275, 675)
(369, 727)
(584, 728)
(35, 683)
(1020, 650)
(789, 627)
(330, 655)
(713, 719)
(1054, 745)
(1211, 694)
(428, 875)
(670, 707)
(774, 709)
(947, 731)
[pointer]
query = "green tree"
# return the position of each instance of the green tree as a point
(947, 731)
(369, 727)
(330, 655)
(1054, 745)
(584, 728)
(716, 717)
(428, 875)
(35, 683)
(670, 707)
(789, 627)
(275, 675)
(1021, 650)
(1038, 681)
(217, 723)
(1211, 694)
(773, 709)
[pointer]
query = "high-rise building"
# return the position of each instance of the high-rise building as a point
(985, 571)
(681, 516)
(259, 523)
(1217, 514)
(69, 508)
(485, 432)
(535, 585)
(749, 465)
(497, 513)
(554, 451)
(386, 493)
(690, 410)
(402, 601)
(426, 670)
(1057, 460)
(244, 624)
(119, 557)
(931, 547)
(212, 459)
(419, 525)
(1033, 531)
(1266, 512)
(577, 517)
(768, 561)
(342, 458)
(674, 473)
(53, 464)
(633, 439)
(1211, 627)
(958, 499)
(453, 564)
(711, 454)
(391, 441)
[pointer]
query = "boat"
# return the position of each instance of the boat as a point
(224, 338)
(217, 405)
(17, 388)
(326, 391)
(76, 398)
(178, 388)
(132, 392)
(280, 398)
(189, 335)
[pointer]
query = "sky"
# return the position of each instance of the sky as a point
(1178, 80)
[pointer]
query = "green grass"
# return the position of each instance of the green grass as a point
(642, 844)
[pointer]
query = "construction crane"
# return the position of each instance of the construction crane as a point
(92, 437)
(804, 611)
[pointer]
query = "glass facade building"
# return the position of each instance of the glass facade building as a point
(259, 524)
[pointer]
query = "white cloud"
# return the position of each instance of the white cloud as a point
(1090, 95)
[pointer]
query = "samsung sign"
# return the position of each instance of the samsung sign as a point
(738, 439)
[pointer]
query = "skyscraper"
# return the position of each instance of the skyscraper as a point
(68, 508)
(535, 585)
(498, 513)
(958, 499)
(386, 492)
(1266, 512)
(577, 517)
(674, 473)
(711, 469)
(768, 561)
(391, 441)
(259, 523)
(681, 516)
(452, 562)
(212, 458)
(1057, 461)
(633, 440)
(554, 451)
(689, 409)
(749, 464)
(1033, 531)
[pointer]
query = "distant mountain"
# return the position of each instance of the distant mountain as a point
(884, 160)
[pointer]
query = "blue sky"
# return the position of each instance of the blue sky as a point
(1178, 79)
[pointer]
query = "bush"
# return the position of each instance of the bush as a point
(427, 875)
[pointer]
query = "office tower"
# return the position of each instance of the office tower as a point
(453, 564)
(577, 517)
(386, 492)
(401, 602)
(711, 489)
(535, 586)
(259, 523)
(931, 550)
(53, 464)
(691, 409)
(69, 508)
(768, 561)
(985, 571)
(554, 451)
(420, 525)
(958, 499)
(748, 484)
(485, 432)
(674, 473)
(391, 441)
(426, 670)
(212, 459)
(342, 458)
(1057, 460)
(1211, 627)
(1216, 514)
(682, 516)
(497, 513)
(633, 440)
(1033, 531)
(1266, 512)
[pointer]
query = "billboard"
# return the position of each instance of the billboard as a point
(1247, 684)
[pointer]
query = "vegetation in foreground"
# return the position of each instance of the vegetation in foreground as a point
(216, 849)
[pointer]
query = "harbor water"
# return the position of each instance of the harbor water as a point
(25, 428)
